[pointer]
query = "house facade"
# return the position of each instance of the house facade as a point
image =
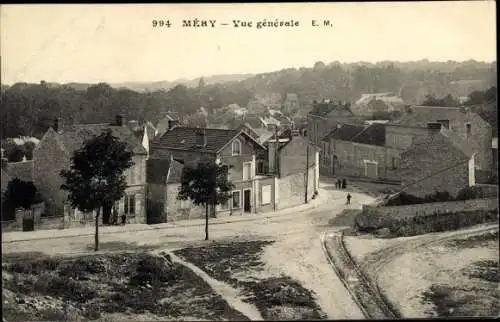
(237, 149)
(296, 163)
(54, 152)
(438, 162)
(469, 126)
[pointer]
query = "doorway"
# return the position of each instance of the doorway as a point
(246, 201)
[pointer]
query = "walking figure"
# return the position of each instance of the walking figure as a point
(338, 184)
(344, 183)
(348, 198)
(114, 215)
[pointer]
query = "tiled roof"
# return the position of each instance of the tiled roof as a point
(21, 170)
(74, 136)
(157, 171)
(185, 138)
(372, 135)
(323, 109)
(421, 115)
(263, 134)
(345, 132)
(253, 120)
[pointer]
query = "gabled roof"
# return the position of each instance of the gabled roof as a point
(185, 138)
(74, 136)
(162, 171)
(421, 115)
(371, 135)
(442, 138)
(345, 132)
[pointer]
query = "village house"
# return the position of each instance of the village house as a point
(438, 162)
(295, 161)
(258, 187)
(468, 125)
(238, 149)
(369, 104)
(145, 133)
(54, 152)
(325, 116)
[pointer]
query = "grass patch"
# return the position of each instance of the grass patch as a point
(277, 298)
(486, 270)
(475, 241)
(89, 287)
(463, 301)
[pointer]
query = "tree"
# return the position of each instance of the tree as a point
(95, 179)
(205, 185)
(19, 194)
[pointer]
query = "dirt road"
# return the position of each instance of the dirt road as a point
(297, 251)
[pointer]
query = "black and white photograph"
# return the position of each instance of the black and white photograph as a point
(249, 161)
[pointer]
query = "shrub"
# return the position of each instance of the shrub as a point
(467, 193)
(151, 269)
(370, 220)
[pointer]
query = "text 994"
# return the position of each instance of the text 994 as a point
(157, 23)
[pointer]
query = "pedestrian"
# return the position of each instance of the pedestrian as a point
(344, 183)
(124, 219)
(348, 198)
(114, 214)
(338, 184)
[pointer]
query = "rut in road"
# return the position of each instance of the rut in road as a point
(230, 294)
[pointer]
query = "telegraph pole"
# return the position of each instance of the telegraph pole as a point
(307, 169)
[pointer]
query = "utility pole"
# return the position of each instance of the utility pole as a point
(307, 170)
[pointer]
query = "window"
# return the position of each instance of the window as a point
(469, 129)
(247, 170)
(445, 123)
(236, 199)
(236, 147)
(129, 204)
(266, 195)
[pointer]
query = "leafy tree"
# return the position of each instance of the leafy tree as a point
(95, 179)
(447, 101)
(206, 185)
(19, 194)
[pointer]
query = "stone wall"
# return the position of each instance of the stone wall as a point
(406, 211)
(291, 189)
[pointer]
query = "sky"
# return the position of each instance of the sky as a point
(117, 43)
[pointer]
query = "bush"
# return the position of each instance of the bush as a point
(64, 287)
(153, 269)
(467, 193)
(370, 220)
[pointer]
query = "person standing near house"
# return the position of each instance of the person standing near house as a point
(338, 184)
(348, 199)
(124, 219)
(344, 183)
(114, 216)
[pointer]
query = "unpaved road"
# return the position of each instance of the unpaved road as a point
(297, 251)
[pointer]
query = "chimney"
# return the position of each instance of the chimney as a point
(201, 139)
(172, 124)
(120, 120)
(58, 125)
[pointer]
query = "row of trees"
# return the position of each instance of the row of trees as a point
(29, 109)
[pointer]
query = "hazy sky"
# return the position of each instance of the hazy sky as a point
(117, 43)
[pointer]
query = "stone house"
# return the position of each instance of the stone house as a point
(54, 153)
(295, 161)
(368, 104)
(325, 116)
(168, 120)
(358, 151)
(468, 125)
(440, 161)
(238, 149)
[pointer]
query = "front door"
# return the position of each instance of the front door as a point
(246, 201)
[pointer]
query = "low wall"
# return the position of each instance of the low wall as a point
(55, 222)
(10, 225)
(488, 190)
(402, 212)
